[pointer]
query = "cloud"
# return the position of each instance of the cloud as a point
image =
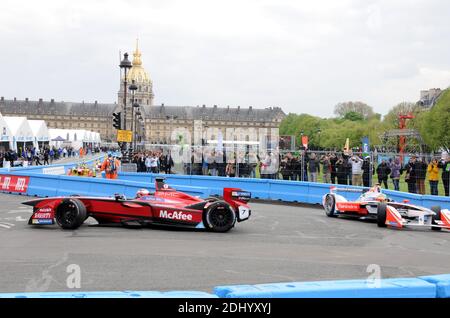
(303, 56)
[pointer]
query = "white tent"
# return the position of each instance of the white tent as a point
(76, 138)
(40, 132)
(5, 135)
(22, 135)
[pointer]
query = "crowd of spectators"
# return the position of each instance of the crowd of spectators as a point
(40, 156)
(334, 168)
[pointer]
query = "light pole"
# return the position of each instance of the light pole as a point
(133, 89)
(319, 132)
(125, 65)
(137, 115)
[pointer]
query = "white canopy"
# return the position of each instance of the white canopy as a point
(74, 137)
(20, 130)
(5, 133)
(40, 131)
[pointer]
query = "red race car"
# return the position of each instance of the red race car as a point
(375, 205)
(165, 206)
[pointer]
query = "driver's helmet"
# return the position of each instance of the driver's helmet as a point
(142, 193)
(381, 198)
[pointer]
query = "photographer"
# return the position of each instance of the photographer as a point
(445, 166)
(326, 168)
(383, 172)
(357, 171)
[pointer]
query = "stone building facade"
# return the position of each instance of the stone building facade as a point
(157, 120)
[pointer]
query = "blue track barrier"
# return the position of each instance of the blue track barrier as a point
(442, 283)
(112, 294)
(60, 185)
(388, 288)
(289, 191)
(39, 169)
(435, 286)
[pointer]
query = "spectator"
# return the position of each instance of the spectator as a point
(314, 167)
(420, 168)
(341, 171)
(410, 175)
(433, 176)
(154, 163)
(383, 172)
(333, 160)
(326, 168)
(230, 169)
(357, 171)
(285, 167)
(395, 173)
(445, 166)
(348, 169)
(367, 174)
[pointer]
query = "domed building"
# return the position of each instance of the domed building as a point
(158, 121)
(144, 93)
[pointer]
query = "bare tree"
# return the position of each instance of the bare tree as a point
(361, 108)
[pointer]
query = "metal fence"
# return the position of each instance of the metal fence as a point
(312, 166)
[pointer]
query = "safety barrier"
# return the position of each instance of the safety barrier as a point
(112, 294)
(288, 191)
(49, 168)
(442, 283)
(385, 288)
(435, 286)
(55, 185)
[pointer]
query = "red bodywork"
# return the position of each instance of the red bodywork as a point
(165, 206)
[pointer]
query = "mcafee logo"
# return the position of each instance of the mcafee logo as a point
(175, 215)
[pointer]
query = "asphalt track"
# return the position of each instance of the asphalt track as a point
(280, 243)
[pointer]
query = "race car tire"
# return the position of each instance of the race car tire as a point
(381, 214)
(219, 217)
(437, 217)
(70, 214)
(330, 205)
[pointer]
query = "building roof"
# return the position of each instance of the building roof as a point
(26, 107)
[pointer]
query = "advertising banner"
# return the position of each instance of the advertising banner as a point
(17, 184)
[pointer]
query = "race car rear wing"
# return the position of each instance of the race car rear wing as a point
(335, 189)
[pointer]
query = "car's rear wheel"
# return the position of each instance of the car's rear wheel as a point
(330, 205)
(219, 217)
(436, 217)
(70, 214)
(381, 214)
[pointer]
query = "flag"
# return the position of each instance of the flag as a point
(347, 147)
(365, 146)
(305, 141)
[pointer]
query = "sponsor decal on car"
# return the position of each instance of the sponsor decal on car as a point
(344, 206)
(175, 215)
(42, 221)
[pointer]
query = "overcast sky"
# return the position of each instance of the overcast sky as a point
(304, 56)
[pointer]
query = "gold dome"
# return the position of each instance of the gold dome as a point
(137, 72)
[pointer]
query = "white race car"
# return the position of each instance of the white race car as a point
(374, 204)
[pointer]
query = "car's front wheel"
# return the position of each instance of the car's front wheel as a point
(381, 214)
(219, 217)
(70, 214)
(330, 205)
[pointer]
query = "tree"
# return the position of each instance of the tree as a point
(353, 116)
(361, 108)
(435, 124)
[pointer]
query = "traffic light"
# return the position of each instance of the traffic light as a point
(117, 120)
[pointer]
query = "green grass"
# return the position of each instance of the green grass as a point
(403, 184)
